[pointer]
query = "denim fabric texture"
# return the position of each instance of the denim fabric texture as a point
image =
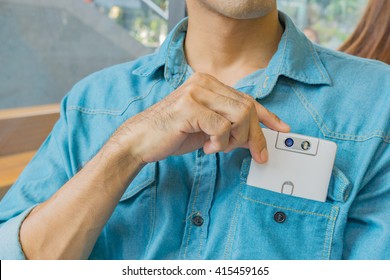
(318, 92)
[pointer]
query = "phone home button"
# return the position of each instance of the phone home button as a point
(288, 188)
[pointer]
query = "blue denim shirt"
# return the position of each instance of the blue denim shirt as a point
(198, 206)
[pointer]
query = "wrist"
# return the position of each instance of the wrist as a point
(124, 149)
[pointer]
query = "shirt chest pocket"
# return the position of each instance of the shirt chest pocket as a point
(270, 225)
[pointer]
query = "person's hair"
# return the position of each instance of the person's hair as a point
(371, 38)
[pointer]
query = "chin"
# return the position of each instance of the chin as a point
(241, 9)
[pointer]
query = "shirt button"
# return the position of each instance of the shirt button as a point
(197, 220)
(279, 217)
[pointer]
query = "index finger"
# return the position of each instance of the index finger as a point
(265, 116)
(269, 119)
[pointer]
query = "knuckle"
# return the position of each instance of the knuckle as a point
(191, 88)
(222, 99)
(220, 125)
(236, 105)
(245, 111)
(261, 141)
(247, 107)
(186, 103)
(242, 138)
(180, 104)
(244, 96)
(251, 102)
(237, 141)
(225, 125)
(193, 77)
(199, 77)
(250, 98)
(257, 135)
(246, 101)
(263, 144)
(220, 145)
(196, 75)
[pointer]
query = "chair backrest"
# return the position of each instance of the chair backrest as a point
(22, 131)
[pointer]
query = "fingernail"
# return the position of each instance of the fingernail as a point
(264, 155)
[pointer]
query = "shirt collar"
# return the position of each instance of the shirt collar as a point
(295, 58)
(170, 54)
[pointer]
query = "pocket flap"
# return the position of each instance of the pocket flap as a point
(144, 178)
(339, 186)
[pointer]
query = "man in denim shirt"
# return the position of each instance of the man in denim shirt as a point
(149, 159)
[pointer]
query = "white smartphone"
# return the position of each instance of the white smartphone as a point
(297, 165)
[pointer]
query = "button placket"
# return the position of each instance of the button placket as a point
(195, 233)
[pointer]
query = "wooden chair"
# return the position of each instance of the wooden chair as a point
(22, 131)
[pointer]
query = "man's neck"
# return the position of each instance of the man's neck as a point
(227, 48)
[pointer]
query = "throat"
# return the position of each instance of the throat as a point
(229, 75)
(230, 49)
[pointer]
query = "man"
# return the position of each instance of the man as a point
(149, 159)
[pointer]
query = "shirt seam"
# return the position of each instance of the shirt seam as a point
(286, 208)
(232, 227)
(63, 162)
(312, 51)
(89, 111)
(167, 67)
(342, 192)
(152, 218)
(343, 56)
(283, 58)
(332, 134)
(329, 233)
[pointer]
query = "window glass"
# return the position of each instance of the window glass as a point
(326, 22)
(145, 20)
(47, 46)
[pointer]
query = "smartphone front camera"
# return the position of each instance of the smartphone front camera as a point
(289, 142)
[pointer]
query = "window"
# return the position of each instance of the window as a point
(327, 22)
(47, 46)
(146, 21)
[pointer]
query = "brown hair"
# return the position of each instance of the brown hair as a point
(371, 38)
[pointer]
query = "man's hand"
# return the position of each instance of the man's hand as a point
(202, 112)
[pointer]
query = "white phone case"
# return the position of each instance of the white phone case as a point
(292, 170)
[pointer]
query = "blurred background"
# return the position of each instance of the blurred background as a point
(49, 45)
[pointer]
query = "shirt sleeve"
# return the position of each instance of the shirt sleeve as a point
(367, 234)
(44, 175)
